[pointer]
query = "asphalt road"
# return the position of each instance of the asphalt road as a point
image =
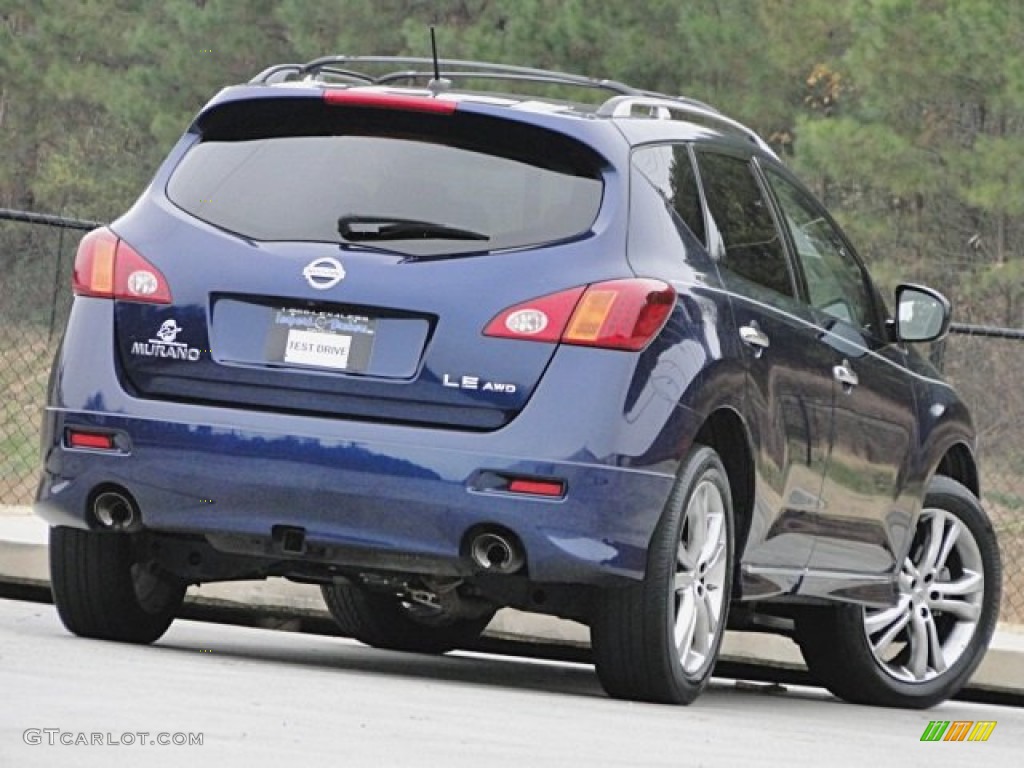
(264, 698)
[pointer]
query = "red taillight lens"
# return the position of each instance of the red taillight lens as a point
(107, 267)
(379, 100)
(617, 314)
(135, 279)
(542, 319)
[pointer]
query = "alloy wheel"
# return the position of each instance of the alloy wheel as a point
(942, 586)
(700, 577)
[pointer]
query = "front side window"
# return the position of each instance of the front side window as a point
(836, 282)
(743, 236)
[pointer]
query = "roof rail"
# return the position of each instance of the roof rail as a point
(664, 107)
(348, 67)
(275, 74)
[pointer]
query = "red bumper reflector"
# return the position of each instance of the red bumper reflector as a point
(378, 100)
(537, 487)
(99, 441)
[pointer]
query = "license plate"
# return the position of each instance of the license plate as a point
(326, 350)
(331, 340)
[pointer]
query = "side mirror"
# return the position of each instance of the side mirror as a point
(922, 314)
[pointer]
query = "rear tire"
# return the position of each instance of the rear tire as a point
(101, 591)
(384, 621)
(922, 650)
(658, 640)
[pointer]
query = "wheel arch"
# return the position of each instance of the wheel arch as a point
(725, 432)
(958, 463)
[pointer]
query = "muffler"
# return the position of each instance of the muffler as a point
(115, 511)
(496, 552)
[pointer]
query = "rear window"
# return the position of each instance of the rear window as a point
(480, 184)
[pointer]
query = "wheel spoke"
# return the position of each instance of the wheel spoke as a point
(876, 622)
(714, 576)
(918, 642)
(936, 526)
(697, 522)
(703, 626)
(968, 584)
(684, 559)
(907, 573)
(716, 555)
(952, 535)
(960, 608)
(686, 621)
(935, 652)
(683, 580)
(882, 644)
(714, 603)
(715, 544)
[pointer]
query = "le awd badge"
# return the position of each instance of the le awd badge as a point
(475, 383)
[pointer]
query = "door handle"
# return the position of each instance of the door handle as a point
(846, 376)
(755, 338)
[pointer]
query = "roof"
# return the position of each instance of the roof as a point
(437, 77)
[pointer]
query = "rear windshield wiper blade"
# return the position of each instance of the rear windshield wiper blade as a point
(358, 229)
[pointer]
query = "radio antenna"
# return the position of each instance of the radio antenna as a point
(438, 84)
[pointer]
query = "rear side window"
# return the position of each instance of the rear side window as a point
(478, 190)
(744, 239)
(671, 172)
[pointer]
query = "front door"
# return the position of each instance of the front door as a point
(867, 508)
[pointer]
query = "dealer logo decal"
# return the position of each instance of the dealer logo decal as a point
(164, 344)
(168, 331)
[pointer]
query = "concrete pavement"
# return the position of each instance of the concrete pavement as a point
(258, 698)
(23, 560)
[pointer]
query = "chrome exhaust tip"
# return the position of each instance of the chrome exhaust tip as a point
(115, 511)
(496, 553)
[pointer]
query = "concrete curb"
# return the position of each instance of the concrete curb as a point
(24, 561)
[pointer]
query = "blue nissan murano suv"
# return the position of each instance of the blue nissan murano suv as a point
(440, 350)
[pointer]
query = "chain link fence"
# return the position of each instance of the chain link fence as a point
(36, 260)
(987, 367)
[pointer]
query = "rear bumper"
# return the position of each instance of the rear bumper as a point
(405, 494)
(417, 501)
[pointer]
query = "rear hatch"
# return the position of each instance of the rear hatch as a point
(345, 259)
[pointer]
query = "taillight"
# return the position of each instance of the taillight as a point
(616, 314)
(107, 267)
(379, 100)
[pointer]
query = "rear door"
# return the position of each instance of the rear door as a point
(344, 260)
(790, 386)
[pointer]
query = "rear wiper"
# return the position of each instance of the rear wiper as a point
(353, 246)
(358, 229)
